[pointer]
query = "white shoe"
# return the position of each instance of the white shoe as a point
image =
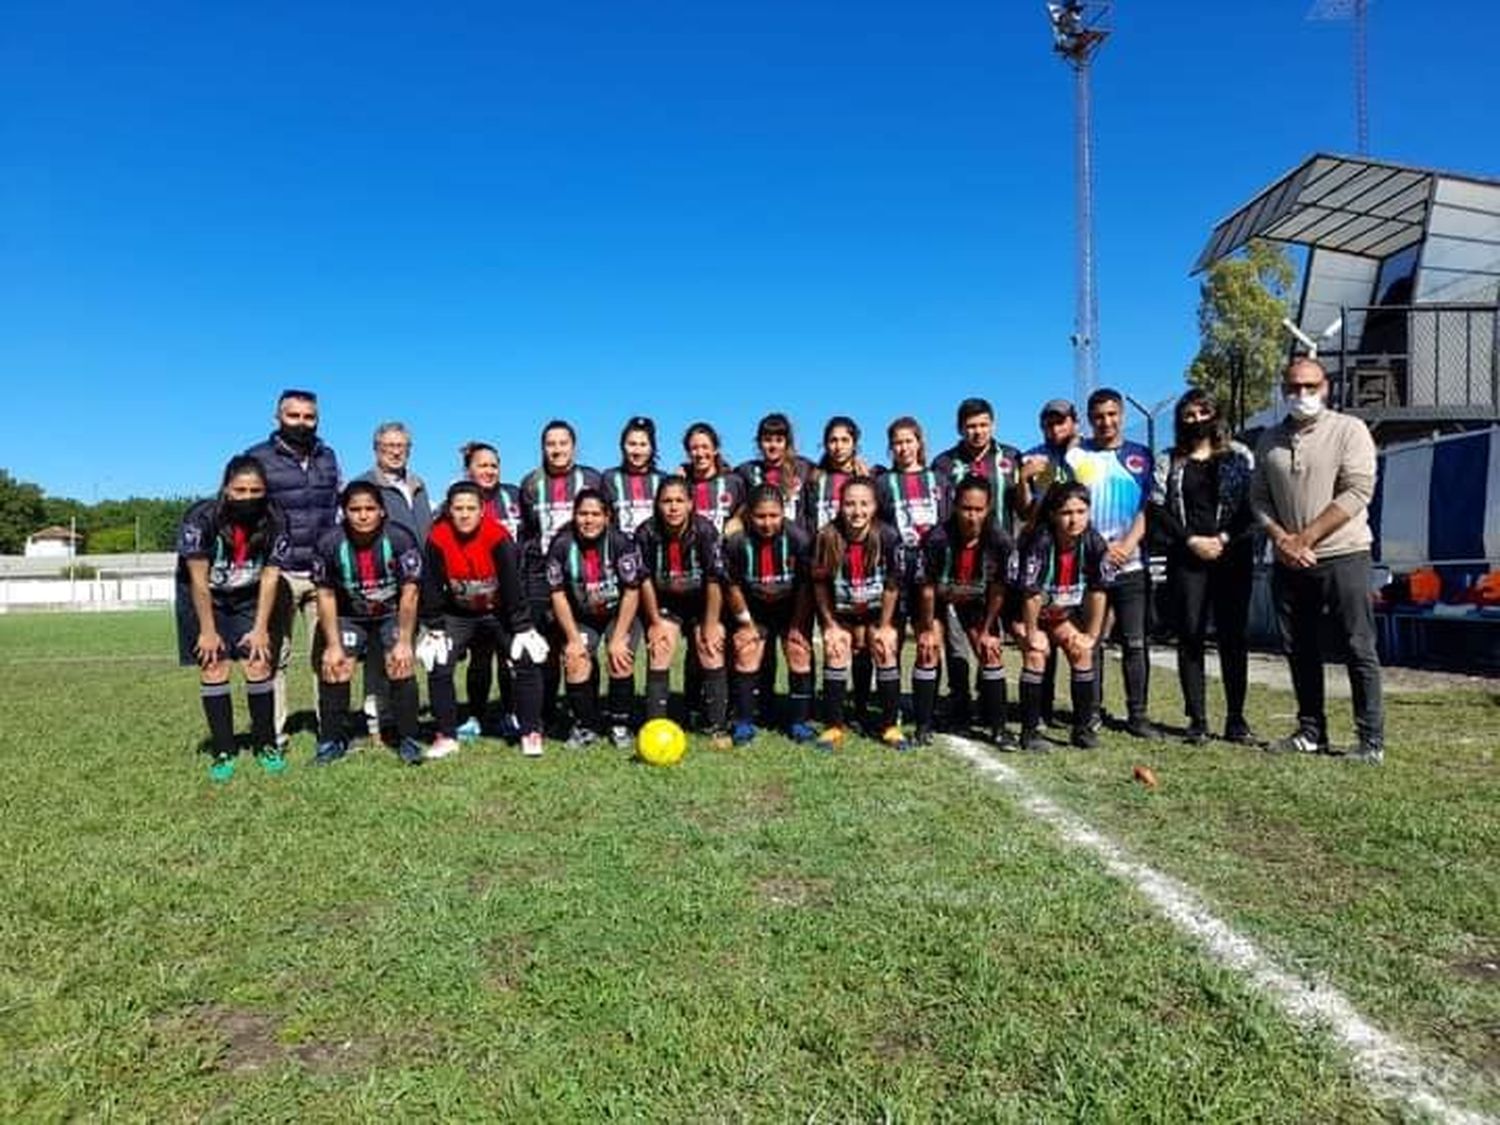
(441, 747)
(531, 745)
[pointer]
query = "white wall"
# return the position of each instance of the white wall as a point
(84, 593)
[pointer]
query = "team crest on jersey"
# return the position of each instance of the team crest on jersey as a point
(1135, 462)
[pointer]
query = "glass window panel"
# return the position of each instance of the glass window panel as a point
(1447, 286)
(1451, 254)
(1465, 224)
(1481, 197)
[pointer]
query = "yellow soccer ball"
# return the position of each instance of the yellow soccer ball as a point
(661, 742)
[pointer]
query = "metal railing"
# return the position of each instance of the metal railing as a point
(1442, 359)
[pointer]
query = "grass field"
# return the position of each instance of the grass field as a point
(761, 934)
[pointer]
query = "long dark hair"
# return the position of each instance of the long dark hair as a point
(972, 482)
(1058, 495)
(777, 424)
(639, 424)
(907, 422)
(838, 422)
(678, 482)
(833, 540)
(1218, 433)
(721, 466)
(241, 465)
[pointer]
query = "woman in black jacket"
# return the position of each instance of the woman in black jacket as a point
(1200, 507)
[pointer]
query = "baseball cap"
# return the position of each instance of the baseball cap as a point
(1058, 406)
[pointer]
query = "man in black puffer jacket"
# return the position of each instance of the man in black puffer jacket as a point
(302, 478)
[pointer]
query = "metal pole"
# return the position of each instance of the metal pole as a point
(1361, 84)
(1086, 315)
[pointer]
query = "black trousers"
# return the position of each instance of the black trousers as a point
(1338, 589)
(1221, 589)
(1130, 598)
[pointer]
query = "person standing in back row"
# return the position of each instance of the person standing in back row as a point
(1314, 478)
(302, 481)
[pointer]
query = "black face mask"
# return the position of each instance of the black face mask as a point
(1197, 431)
(299, 437)
(245, 512)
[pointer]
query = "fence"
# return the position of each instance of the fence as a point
(103, 592)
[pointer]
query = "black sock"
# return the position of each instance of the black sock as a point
(333, 712)
(1049, 686)
(218, 709)
(1085, 698)
(658, 691)
(508, 690)
(743, 689)
(261, 696)
(621, 700)
(526, 694)
(835, 687)
(444, 699)
(924, 685)
(405, 705)
(958, 691)
(992, 698)
(1031, 700)
(864, 667)
(800, 695)
(765, 683)
(477, 682)
(888, 689)
(716, 697)
(583, 701)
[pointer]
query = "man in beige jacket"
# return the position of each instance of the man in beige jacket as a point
(1314, 477)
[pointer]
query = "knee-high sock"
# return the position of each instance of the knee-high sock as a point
(992, 698)
(1031, 699)
(958, 688)
(800, 696)
(658, 692)
(405, 704)
(765, 683)
(218, 709)
(333, 711)
(864, 666)
(716, 697)
(621, 700)
(1085, 698)
(444, 698)
(526, 687)
(1049, 686)
(261, 696)
(924, 685)
(743, 689)
(888, 688)
(835, 688)
(583, 701)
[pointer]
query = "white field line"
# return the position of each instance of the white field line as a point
(1390, 1069)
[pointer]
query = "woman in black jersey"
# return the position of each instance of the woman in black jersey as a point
(230, 551)
(368, 573)
(767, 592)
(682, 596)
(779, 463)
(1200, 504)
(857, 570)
(960, 583)
(717, 490)
(630, 487)
(825, 485)
(594, 572)
(1062, 577)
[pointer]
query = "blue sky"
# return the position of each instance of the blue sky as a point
(477, 217)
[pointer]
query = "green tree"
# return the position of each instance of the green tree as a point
(1241, 303)
(21, 513)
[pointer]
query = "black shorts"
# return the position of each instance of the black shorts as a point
(361, 635)
(969, 615)
(685, 610)
(774, 619)
(233, 621)
(483, 634)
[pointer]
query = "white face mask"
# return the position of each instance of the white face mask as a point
(1304, 407)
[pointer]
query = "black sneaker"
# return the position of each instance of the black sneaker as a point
(1367, 753)
(409, 750)
(1004, 740)
(1032, 741)
(1301, 742)
(1138, 726)
(922, 736)
(1084, 738)
(1197, 734)
(1238, 732)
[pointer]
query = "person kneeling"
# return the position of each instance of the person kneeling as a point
(368, 575)
(1063, 574)
(472, 601)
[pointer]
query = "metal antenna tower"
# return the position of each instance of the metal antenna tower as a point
(1358, 11)
(1078, 31)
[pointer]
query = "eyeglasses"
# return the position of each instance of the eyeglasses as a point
(393, 446)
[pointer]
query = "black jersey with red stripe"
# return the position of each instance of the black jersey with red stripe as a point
(632, 495)
(680, 566)
(768, 568)
(962, 573)
(503, 505)
(236, 554)
(717, 497)
(870, 566)
(821, 496)
(594, 574)
(758, 472)
(912, 502)
(547, 502)
(366, 579)
(1062, 576)
(1000, 464)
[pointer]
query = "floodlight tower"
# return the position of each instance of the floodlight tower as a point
(1078, 31)
(1358, 11)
